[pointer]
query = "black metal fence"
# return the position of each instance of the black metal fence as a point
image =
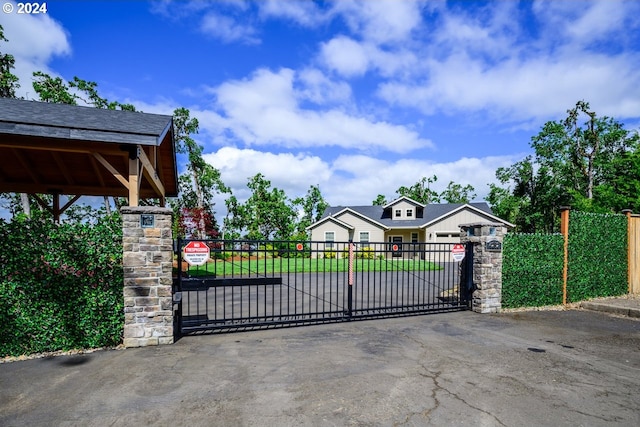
(243, 284)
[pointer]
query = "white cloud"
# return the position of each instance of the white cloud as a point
(305, 13)
(349, 179)
(33, 40)
(227, 29)
(381, 21)
(236, 166)
(319, 89)
(521, 90)
(345, 56)
(265, 109)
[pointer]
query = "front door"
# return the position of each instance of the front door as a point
(396, 246)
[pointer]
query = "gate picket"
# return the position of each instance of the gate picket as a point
(251, 284)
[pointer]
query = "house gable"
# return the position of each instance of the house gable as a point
(403, 209)
(457, 215)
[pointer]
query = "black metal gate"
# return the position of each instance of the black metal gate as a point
(256, 284)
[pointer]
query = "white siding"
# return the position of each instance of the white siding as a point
(403, 206)
(376, 234)
(447, 230)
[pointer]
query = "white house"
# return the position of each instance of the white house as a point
(402, 221)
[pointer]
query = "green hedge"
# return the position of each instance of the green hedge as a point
(532, 270)
(60, 286)
(597, 256)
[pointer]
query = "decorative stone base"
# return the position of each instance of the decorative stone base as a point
(486, 239)
(147, 261)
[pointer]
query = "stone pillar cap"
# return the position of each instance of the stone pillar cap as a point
(145, 209)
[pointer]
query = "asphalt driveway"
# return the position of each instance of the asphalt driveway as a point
(548, 368)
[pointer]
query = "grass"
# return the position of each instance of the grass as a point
(306, 265)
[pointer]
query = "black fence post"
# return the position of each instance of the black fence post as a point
(177, 293)
(466, 283)
(350, 280)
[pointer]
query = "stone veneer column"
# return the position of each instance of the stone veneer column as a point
(486, 239)
(147, 246)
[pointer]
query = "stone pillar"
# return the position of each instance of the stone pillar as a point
(147, 261)
(486, 239)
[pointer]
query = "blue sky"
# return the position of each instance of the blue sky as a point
(358, 97)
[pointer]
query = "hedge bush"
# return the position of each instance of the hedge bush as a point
(532, 270)
(597, 256)
(60, 285)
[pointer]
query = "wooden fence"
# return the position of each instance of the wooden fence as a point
(634, 252)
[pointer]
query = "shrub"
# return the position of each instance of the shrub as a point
(329, 254)
(532, 270)
(597, 256)
(60, 285)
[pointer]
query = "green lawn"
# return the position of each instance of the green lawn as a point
(305, 265)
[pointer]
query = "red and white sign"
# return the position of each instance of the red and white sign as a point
(395, 248)
(457, 252)
(299, 246)
(196, 253)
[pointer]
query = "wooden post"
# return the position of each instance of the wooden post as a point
(564, 229)
(628, 212)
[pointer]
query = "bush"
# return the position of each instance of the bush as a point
(329, 254)
(532, 270)
(597, 256)
(60, 285)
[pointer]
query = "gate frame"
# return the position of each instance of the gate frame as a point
(452, 295)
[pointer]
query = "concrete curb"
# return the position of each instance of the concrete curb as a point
(620, 310)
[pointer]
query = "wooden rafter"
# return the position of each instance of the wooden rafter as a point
(113, 170)
(27, 167)
(150, 172)
(62, 167)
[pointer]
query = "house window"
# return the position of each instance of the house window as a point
(409, 213)
(398, 213)
(364, 237)
(414, 237)
(329, 238)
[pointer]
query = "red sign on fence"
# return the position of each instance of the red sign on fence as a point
(457, 252)
(196, 253)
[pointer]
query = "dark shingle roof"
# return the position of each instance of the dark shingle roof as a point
(76, 122)
(431, 212)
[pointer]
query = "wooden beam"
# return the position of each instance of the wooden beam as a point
(26, 166)
(150, 172)
(42, 203)
(63, 169)
(70, 202)
(85, 190)
(65, 147)
(113, 170)
(134, 182)
(96, 169)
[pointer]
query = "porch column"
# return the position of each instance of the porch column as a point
(147, 246)
(486, 239)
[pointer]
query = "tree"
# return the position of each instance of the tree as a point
(380, 200)
(588, 165)
(8, 86)
(267, 213)
(421, 191)
(313, 206)
(456, 193)
(199, 185)
(8, 80)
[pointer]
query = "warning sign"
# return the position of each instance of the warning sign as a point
(457, 252)
(196, 253)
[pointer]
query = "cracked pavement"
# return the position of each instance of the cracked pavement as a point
(548, 368)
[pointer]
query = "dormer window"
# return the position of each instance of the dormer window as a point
(398, 213)
(409, 213)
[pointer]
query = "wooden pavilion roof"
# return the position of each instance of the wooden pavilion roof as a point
(74, 150)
